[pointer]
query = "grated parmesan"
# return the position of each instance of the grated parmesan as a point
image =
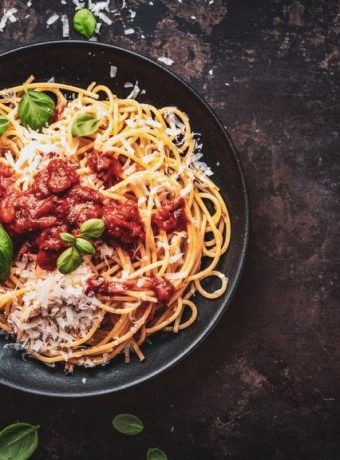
(78, 4)
(166, 60)
(104, 18)
(153, 123)
(135, 91)
(129, 31)
(98, 7)
(55, 308)
(176, 257)
(175, 276)
(113, 71)
(66, 26)
(127, 146)
(186, 190)
(52, 19)
(9, 15)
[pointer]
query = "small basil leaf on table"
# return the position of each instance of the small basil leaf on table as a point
(156, 454)
(69, 260)
(84, 246)
(67, 237)
(84, 22)
(6, 255)
(92, 228)
(128, 424)
(18, 441)
(4, 122)
(84, 125)
(35, 109)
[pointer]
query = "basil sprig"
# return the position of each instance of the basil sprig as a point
(18, 441)
(92, 228)
(4, 122)
(84, 22)
(84, 125)
(67, 237)
(84, 246)
(6, 254)
(71, 258)
(156, 454)
(128, 424)
(36, 109)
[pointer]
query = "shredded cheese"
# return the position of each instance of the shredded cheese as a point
(166, 60)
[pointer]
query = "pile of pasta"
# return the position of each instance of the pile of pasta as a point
(52, 316)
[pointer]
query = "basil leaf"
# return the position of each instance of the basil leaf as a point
(84, 22)
(67, 237)
(156, 454)
(84, 246)
(4, 122)
(128, 424)
(69, 260)
(35, 109)
(84, 125)
(6, 254)
(18, 441)
(92, 228)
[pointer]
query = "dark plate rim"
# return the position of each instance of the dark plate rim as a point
(232, 288)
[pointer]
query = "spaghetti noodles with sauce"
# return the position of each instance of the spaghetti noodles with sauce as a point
(140, 173)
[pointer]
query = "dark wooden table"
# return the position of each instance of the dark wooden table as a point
(265, 384)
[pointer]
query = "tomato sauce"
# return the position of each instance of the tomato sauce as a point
(171, 216)
(108, 169)
(56, 202)
(162, 287)
(122, 222)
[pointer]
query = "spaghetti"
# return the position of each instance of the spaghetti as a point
(140, 172)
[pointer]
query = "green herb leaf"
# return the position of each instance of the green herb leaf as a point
(84, 22)
(18, 441)
(84, 125)
(35, 109)
(69, 260)
(128, 424)
(4, 122)
(6, 254)
(67, 237)
(92, 228)
(84, 246)
(156, 454)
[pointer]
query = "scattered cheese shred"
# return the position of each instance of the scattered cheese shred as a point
(98, 7)
(113, 71)
(105, 18)
(66, 26)
(52, 19)
(129, 31)
(9, 15)
(78, 4)
(166, 60)
(134, 93)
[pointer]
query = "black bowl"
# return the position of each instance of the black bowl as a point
(80, 63)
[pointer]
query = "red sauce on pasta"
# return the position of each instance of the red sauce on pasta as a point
(108, 169)
(171, 216)
(163, 288)
(56, 202)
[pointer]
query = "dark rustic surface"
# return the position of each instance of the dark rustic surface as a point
(265, 384)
